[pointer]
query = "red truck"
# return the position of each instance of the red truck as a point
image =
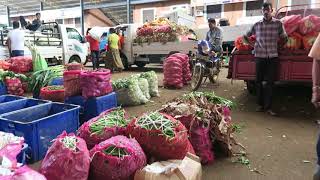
(294, 66)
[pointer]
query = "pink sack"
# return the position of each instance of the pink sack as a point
(64, 163)
(186, 73)
(21, 64)
(110, 167)
(25, 173)
(309, 24)
(11, 151)
(172, 71)
(291, 23)
(71, 83)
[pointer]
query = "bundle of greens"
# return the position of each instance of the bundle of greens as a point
(116, 151)
(70, 142)
(152, 78)
(144, 86)
(4, 74)
(55, 88)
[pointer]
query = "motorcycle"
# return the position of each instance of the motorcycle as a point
(205, 64)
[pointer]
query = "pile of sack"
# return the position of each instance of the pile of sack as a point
(20, 64)
(176, 71)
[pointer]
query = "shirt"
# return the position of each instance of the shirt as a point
(215, 37)
(94, 44)
(267, 35)
(16, 37)
(113, 41)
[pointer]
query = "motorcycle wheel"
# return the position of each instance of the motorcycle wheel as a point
(197, 77)
(213, 77)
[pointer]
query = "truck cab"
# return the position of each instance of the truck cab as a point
(58, 44)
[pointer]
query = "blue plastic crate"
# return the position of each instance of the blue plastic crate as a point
(3, 89)
(9, 98)
(39, 125)
(21, 158)
(20, 104)
(56, 81)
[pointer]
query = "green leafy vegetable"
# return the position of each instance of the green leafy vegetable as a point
(70, 142)
(116, 151)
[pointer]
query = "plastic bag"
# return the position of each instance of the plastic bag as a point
(51, 94)
(25, 173)
(152, 78)
(96, 32)
(309, 39)
(291, 23)
(21, 64)
(14, 86)
(93, 139)
(65, 163)
(155, 144)
(39, 63)
(71, 83)
(172, 71)
(309, 24)
(294, 42)
(10, 146)
(105, 166)
(144, 86)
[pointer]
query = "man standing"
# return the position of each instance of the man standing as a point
(214, 36)
(267, 32)
(94, 49)
(114, 44)
(36, 23)
(16, 40)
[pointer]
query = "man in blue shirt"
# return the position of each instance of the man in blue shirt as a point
(214, 36)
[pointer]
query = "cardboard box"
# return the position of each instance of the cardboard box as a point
(187, 169)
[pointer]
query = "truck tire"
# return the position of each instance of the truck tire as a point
(251, 87)
(124, 60)
(75, 59)
(141, 64)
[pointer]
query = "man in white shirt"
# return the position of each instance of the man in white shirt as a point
(16, 40)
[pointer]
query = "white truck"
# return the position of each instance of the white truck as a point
(57, 43)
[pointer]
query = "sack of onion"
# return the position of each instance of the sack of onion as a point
(160, 135)
(67, 158)
(117, 158)
(108, 124)
(71, 83)
(52, 93)
(14, 86)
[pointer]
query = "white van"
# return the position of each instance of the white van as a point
(57, 43)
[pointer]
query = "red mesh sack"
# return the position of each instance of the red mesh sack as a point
(5, 65)
(291, 23)
(294, 42)
(242, 46)
(93, 139)
(71, 83)
(26, 173)
(74, 66)
(14, 86)
(172, 71)
(309, 39)
(96, 83)
(52, 93)
(156, 144)
(186, 73)
(65, 163)
(21, 64)
(105, 166)
(309, 24)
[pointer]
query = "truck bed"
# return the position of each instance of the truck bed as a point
(160, 48)
(294, 66)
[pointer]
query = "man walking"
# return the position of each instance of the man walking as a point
(16, 40)
(267, 32)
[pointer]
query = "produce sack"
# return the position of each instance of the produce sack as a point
(189, 169)
(186, 73)
(294, 42)
(67, 158)
(145, 31)
(291, 23)
(96, 32)
(71, 83)
(74, 66)
(95, 83)
(309, 39)
(172, 71)
(14, 86)
(241, 45)
(25, 173)
(152, 78)
(5, 65)
(52, 93)
(309, 24)
(129, 92)
(10, 146)
(108, 124)
(20, 64)
(117, 158)
(38, 62)
(160, 135)
(144, 86)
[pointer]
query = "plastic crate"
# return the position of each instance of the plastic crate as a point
(20, 104)
(3, 89)
(39, 125)
(21, 158)
(10, 98)
(57, 82)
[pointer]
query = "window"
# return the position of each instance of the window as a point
(68, 21)
(59, 21)
(253, 8)
(214, 11)
(74, 34)
(148, 15)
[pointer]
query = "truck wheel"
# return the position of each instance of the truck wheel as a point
(141, 64)
(251, 87)
(124, 61)
(75, 59)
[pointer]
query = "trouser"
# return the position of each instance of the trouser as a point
(266, 70)
(95, 59)
(16, 53)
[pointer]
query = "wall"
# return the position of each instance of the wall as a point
(95, 17)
